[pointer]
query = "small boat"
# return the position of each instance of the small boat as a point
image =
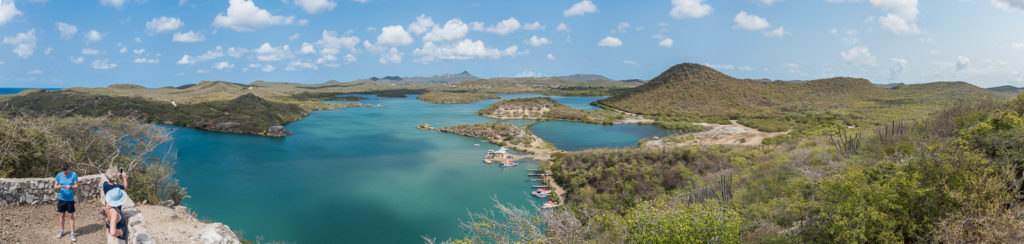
(541, 193)
(476, 145)
(549, 204)
(508, 164)
(487, 160)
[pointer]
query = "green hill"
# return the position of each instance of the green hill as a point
(693, 90)
(247, 114)
(1008, 89)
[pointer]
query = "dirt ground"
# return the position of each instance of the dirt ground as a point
(734, 134)
(39, 224)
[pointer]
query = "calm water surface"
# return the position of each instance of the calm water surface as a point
(360, 175)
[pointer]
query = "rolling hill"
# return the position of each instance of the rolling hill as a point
(694, 90)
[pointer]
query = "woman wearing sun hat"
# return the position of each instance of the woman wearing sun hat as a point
(117, 225)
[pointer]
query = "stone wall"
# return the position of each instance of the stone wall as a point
(35, 191)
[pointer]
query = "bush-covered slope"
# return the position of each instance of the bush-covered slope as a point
(455, 97)
(248, 114)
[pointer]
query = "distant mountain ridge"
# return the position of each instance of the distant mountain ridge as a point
(1008, 89)
(435, 79)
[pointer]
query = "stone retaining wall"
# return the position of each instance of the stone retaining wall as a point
(35, 191)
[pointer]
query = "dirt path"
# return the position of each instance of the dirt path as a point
(733, 134)
(38, 224)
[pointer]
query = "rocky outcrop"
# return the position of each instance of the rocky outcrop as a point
(277, 131)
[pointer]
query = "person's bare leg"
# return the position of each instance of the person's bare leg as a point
(61, 221)
(72, 216)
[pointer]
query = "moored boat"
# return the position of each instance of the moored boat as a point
(508, 164)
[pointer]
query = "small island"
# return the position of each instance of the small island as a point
(545, 108)
(502, 134)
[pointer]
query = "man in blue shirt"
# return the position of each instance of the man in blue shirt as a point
(67, 182)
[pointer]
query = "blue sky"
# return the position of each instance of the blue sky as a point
(158, 43)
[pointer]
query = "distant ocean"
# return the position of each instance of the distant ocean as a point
(5, 91)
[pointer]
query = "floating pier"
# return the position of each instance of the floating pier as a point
(540, 186)
(533, 170)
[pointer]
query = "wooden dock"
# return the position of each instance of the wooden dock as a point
(540, 186)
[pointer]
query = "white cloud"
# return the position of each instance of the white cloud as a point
(8, 11)
(124, 49)
(562, 27)
(696, 9)
(962, 63)
(24, 43)
(267, 52)
(1017, 45)
(859, 56)
(316, 6)
(307, 48)
(465, 49)
(422, 24)
(667, 42)
(1004, 4)
(777, 32)
(77, 60)
(330, 43)
(115, 3)
(349, 58)
(898, 66)
(67, 31)
(222, 65)
(293, 37)
(476, 26)
(186, 60)
(391, 56)
(533, 26)
(749, 22)
(103, 64)
(244, 15)
(610, 42)
(580, 8)
(505, 26)
(551, 56)
(630, 62)
(181, 2)
(528, 73)
(146, 61)
(93, 36)
(394, 35)
(769, 2)
(35, 72)
(190, 36)
(454, 29)
(48, 51)
(163, 24)
(267, 68)
(537, 41)
(211, 54)
(90, 51)
(297, 64)
(138, 51)
(901, 17)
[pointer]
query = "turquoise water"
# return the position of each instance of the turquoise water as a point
(5, 91)
(574, 136)
(354, 175)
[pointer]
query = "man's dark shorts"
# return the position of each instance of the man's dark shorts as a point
(65, 206)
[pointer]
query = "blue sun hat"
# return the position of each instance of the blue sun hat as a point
(116, 197)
